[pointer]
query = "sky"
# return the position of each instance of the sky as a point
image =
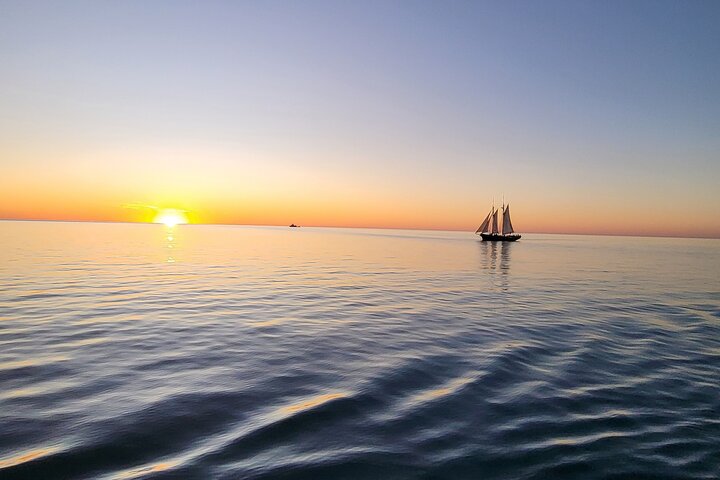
(598, 117)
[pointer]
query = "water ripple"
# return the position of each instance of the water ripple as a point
(267, 353)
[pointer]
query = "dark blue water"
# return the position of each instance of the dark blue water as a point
(133, 351)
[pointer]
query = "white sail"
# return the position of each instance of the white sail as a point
(507, 227)
(484, 225)
(494, 222)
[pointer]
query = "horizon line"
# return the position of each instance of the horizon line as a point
(359, 228)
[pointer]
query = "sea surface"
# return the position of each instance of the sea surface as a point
(139, 351)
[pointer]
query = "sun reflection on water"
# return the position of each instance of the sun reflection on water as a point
(146, 470)
(27, 457)
(311, 403)
(170, 245)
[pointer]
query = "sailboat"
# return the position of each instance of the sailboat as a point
(490, 232)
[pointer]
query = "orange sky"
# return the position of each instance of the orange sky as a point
(278, 193)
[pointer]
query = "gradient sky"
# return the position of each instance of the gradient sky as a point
(590, 117)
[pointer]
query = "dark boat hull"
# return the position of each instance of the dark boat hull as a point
(496, 237)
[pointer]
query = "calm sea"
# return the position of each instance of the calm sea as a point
(138, 351)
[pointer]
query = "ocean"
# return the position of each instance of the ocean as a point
(234, 352)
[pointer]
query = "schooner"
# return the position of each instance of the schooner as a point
(505, 234)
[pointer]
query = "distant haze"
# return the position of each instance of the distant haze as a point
(589, 117)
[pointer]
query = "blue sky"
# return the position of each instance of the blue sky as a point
(421, 107)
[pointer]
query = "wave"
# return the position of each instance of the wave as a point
(263, 355)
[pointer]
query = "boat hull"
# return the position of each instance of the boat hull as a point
(496, 237)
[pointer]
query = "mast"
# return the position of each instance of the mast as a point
(502, 224)
(494, 221)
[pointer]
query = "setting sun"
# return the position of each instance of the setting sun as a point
(170, 217)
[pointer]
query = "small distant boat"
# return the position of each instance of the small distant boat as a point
(491, 234)
(292, 225)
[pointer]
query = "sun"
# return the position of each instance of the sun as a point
(170, 217)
